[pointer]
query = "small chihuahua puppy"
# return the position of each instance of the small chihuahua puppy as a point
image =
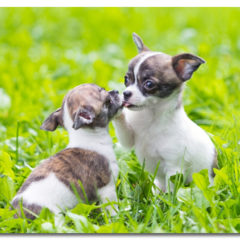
(154, 121)
(89, 157)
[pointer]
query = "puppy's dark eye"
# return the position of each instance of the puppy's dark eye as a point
(149, 84)
(126, 81)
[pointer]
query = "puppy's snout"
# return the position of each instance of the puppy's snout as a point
(127, 95)
(114, 92)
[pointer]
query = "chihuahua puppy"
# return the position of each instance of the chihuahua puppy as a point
(89, 157)
(154, 121)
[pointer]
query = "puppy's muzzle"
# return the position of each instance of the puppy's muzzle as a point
(114, 92)
(114, 95)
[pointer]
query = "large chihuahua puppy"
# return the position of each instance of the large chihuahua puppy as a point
(89, 157)
(154, 121)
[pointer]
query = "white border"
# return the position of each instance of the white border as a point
(119, 3)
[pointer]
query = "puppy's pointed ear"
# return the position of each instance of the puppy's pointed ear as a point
(139, 43)
(83, 117)
(54, 119)
(185, 64)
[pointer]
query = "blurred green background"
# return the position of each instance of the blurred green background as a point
(44, 52)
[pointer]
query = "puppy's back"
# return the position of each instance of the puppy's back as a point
(50, 184)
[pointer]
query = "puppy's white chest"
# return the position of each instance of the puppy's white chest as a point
(155, 144)
(176, 142)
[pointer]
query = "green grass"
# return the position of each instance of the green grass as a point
(45, 52)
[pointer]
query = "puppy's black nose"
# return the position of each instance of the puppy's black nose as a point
(127, 95)
(114, 92)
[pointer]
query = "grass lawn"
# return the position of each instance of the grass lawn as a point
(44, 52)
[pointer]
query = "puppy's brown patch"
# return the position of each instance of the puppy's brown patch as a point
(159, 70)
(70, 166)
(86, 95)
(73, 164)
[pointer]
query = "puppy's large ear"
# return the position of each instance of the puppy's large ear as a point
(139, 43)
(185, 64)
(83, 117)
(55, 119)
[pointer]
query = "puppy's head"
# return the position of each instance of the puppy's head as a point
(154, 75)
(86, 105)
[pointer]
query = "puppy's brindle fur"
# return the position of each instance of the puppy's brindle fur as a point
(89, 158)
(154, 121)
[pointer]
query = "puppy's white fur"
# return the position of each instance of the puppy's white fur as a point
(162, 132)
(49, 192)
(54, 194)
